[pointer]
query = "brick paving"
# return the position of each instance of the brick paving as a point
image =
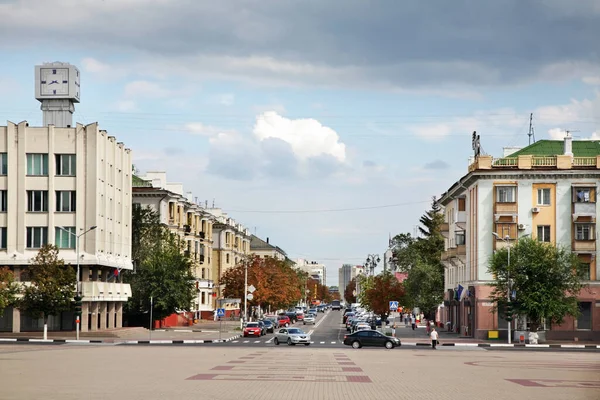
(117, 372)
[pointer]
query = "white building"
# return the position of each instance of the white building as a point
(58, 182)
(188, 220)
(262, 248)
(314, 269)
(347, 272)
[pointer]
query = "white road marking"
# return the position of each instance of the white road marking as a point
(321, 342)
(246, 341)
(270, 340)
(236, 341)
(332, 342)
(257, 341)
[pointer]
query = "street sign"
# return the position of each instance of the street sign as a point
(251, 288)
(393, 305)
(220, 312)
(250, 296)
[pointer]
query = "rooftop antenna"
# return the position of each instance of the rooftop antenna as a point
(531, 133)
(213, 206)
(205, 203)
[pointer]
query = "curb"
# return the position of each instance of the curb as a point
(513, 345)
(116, 342)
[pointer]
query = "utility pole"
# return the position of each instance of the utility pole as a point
(531, 133)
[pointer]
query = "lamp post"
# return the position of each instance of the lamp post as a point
(371, 262)
(78, 290)
(506, 239)
(245, 292)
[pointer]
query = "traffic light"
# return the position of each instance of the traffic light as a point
(78, 304)
(509, 311)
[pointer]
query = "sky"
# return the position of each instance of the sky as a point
(326, 126)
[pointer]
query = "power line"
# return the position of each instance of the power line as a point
(327, 209)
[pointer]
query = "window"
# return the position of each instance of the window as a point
(584, 321)
(66, 164)
(37, 236)
(203, 273)
(3, 238)
(584, 195)
(506, 194)
(543, 197)
(37, 164)
(3, 200)
(507, 229)
(585, 267)
(543, 233)
(65, 237)
(460, 239)
(462, 204)
(584, 232)
(66, 200)
(37, 201)
(3, 164)
(227, 258)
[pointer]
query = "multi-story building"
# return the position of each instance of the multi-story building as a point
(346, 273)
(69, 186)
(547, 190)
(264, 249)
(186, 218)
(231, 243)
(314, 269)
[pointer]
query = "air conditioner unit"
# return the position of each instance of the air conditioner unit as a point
(522, 227)
(535, 210)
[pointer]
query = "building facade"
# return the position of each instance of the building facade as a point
(231, 243)
(547, 191)
(55, 184)
(190, 222)
(346, 273)
(262, 248)
(314, 269)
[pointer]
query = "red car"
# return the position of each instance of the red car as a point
(252, 329)
(283, 320)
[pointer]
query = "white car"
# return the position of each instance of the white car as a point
(292, 336)
(309, 319)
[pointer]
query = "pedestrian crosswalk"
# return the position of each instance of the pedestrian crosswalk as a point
(271, 341)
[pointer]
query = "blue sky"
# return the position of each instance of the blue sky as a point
(280, 111)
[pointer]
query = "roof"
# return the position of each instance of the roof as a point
(581, 148)
(136, 181)
(257, 243)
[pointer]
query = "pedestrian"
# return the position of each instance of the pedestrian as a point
(434, 338)
(413, 322)
(427, 327)
(406, 319)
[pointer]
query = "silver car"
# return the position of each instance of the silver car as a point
(291, 336)
(310, 319)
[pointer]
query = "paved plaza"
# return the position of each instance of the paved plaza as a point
(72, 371)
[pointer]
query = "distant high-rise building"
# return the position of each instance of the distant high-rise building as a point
(346, 273)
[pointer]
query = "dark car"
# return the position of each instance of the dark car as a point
(292, 316)
(263, 327)
(359, 339)
(346, 316)
(269, 326)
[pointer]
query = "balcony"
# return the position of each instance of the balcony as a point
(187, 229)
(444, 228)
(584, 246)
(205, 284)
(202, 235)
(105, 291)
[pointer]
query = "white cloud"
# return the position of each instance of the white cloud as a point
(126, 106)
(227, 99)
(145, 89)
(307, 137)
(575, 116)
(592, 80)
(198, 128)
(278, 108)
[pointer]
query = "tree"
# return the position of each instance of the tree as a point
(350, 291)
(424, 288)
(385, 288)
(363, 283)
(163, 271)
(429, 221)
(9, 289)
(544, 278)
(52, 286)
(404, 251)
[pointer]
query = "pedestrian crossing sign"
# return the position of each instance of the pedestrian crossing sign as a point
(393, 305)
(220, 312)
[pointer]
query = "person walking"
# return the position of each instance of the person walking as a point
(413, 322)
(434, 338)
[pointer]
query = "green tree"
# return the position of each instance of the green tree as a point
(9, 289)
(385, 288)
(350, 291)
(546, 281)
(163, 271)
(424, 288)
(405, 252)
(363, 283)
(52, 286)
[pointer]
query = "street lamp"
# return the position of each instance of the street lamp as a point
(78, 290)
(245, 292)
(506, 239)
(371, 262)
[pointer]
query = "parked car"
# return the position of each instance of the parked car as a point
(346, 316)
(263, 327)
(321, 308)
(252, 329)
(291, 336)
(362, 338)
(269, 326)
